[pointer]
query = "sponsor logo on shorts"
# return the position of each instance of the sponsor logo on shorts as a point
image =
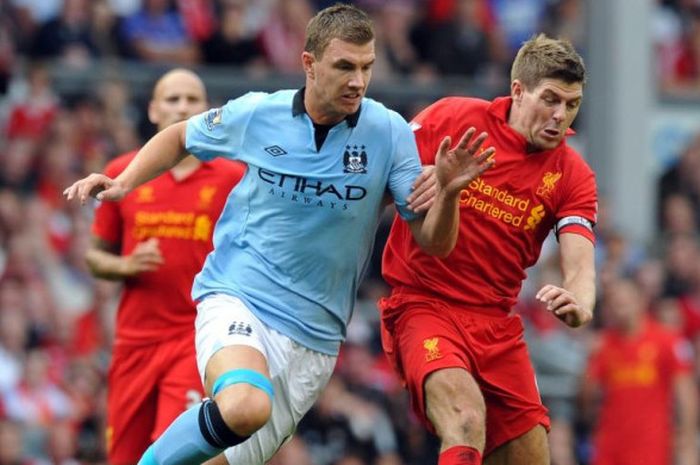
(432, 349)
(240, 328)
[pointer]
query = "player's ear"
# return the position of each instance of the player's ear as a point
(516, 90)
(307, 60)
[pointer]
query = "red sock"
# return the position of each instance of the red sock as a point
(460, 455)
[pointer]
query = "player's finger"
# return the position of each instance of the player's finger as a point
(477, 143)
(466, 137)
(444, 145)
(543, 290)
(424, 201)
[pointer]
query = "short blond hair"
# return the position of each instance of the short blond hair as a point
(542, 57)
(345, 22)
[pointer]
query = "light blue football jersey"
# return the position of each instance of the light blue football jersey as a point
(295, 236)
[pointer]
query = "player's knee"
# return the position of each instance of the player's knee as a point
(246, 409)
(245, 400)
(465, 424)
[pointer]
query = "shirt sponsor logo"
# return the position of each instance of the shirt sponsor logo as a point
(549, 181)
(432, 349)
(213, 118)
(502, 205)
(172, 225)
(355, 159)
(311, 192)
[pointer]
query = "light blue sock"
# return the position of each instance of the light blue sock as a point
(181, 444)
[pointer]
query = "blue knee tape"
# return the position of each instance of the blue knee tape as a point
(243, 375)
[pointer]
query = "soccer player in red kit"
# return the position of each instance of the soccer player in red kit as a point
(641, 371)
(155, 240)
(448, 326)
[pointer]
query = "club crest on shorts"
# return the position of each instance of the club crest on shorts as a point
(240, 328)
(432, 350)
(355, 159)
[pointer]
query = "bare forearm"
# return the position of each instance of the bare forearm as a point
(582, 284)
(105, 265)
(686, 398)
(161, 153)
(437, 233)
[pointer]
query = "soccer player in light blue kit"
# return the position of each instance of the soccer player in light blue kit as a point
(292, 243)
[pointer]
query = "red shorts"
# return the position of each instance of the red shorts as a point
(148, 387)
(421, 335)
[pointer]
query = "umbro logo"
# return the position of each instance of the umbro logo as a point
(275, 150)
(240, 328)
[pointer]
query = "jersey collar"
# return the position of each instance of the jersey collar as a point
(298, 108)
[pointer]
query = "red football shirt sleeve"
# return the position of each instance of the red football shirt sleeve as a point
(579, 208)
(107, 223)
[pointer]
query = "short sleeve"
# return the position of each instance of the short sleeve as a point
(219, 132)
(405, 167)
(429, 127)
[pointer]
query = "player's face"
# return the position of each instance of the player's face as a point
(544, 113)
(177, 96)
(337, 82)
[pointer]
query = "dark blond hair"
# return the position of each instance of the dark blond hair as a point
(542, 57)
(340, 21)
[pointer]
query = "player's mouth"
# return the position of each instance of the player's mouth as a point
(351, 98)
(551, 133)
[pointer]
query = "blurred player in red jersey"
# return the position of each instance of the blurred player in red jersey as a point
(448, 326)
(156, 240)
(639, 368)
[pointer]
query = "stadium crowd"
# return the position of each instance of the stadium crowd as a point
(56, 321)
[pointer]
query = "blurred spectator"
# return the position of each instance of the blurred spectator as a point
(679, 215)
(681, 254)
(19, 162)
(282, 38)
(468, 44)
(518, 19)
(343, 423)
(68, 36)
(156, 33)
(639, 370)
(230, 43)
(685, 75)
(566, 19)
(14, 334)
(34, 110)
(11, 444)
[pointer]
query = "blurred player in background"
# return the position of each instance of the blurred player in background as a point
(448, 325)
(276, 294)
(155, 240)
(639, 378)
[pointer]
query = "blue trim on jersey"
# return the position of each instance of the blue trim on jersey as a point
(243, 375)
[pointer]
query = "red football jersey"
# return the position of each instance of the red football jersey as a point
(636, 377)
(181, 214)
(505, 214)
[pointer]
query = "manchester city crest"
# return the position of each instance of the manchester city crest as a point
(355, 159)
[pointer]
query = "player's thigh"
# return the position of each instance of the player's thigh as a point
(228, 337)
(180, 386)
(530, 448)
(131, 404)
(426, 344)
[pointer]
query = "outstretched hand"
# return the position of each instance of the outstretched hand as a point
(95, 185)
(564, 305)
(456, 167)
